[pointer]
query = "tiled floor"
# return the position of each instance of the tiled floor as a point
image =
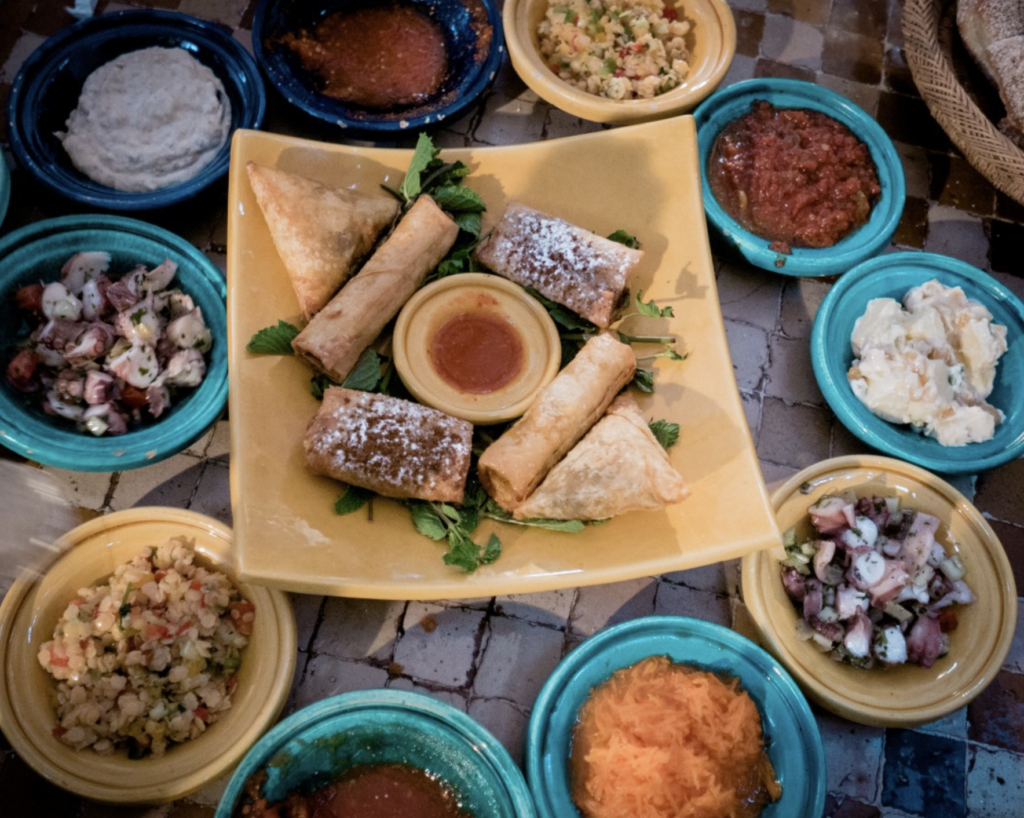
(489, 657)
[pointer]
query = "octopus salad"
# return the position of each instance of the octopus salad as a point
(107, 353)
(873, 584)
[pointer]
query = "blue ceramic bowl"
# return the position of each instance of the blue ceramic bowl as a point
(890, 276)
(319, 742)
(473, 39)
(50, 81)
(36, 253)
(791, 733)
(868, 240)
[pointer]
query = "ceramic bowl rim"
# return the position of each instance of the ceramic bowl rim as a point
(46, 61)
(753, 566)
(545, 84)
(5, 187)
(284, 630)
(314, 106)
(476, 735)
(868, 240)
(860, 421)
(590, 653)
(23, 433)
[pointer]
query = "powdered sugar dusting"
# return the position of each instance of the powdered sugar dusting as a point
(394, 447)
(569, 265)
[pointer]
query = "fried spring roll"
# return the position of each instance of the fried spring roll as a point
(571, 266)
(320, 232)
(333, 341)
(513, 466)
(617, 467)
(391, 446)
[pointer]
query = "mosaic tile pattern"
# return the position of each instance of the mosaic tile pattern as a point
(489, 657)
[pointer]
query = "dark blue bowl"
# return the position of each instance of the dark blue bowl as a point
(47, 88)
(474, 43)
(35, 254)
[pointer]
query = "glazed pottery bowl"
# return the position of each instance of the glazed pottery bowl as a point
(474, 46)
(505, 303)
(900, 695)
(791, 734)
(711, 43)
(315, 745)
(36, 253)
(48, 85)
(88, 555)
(868, 240)
(891, 276)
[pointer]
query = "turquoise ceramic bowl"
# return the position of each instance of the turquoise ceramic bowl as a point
(890, 276)
(36, 253)
(319, 742)
(868, 240)
(793, 741)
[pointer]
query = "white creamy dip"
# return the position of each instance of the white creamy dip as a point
(930, 362)
(147, 120)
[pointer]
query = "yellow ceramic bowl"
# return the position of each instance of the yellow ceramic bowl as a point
(711, 42)
(899, 696)
(504, 303)
(27, 618)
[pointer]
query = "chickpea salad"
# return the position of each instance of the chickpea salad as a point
(150, 657)
(106, 354)
(873, 584)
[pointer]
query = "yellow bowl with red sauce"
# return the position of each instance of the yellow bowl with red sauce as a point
(724, 107)
(476, 346)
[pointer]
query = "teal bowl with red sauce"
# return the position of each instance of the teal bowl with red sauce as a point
(329, 739)
(862, 242)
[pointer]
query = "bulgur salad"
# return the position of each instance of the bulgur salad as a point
(150, 657)
(619, 49)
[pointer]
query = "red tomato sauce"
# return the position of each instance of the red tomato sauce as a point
(477, 352)
(379, 57)
(793, 176)
(377, 790)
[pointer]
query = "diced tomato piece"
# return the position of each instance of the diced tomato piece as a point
(58, 731)
(59, 659)
(132, 397)
(243, 616)
(30, 297)
(21, 371)
(159, 575)
(196, 585)
(202, 714)
(947, 620)
(670, 13)
(154, 631)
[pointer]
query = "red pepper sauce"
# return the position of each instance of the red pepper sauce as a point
(477, 352)
(793, 176)
(379, 57)
(373, 790)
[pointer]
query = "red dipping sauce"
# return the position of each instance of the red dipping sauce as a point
(477, 351)
(379, 57)
(793, 176)
(377, 790)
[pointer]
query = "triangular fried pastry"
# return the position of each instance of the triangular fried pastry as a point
(320, 232)
(617, 467)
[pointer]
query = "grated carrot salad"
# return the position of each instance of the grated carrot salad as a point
(663, 740)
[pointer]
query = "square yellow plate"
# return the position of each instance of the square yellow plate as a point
(643, 179)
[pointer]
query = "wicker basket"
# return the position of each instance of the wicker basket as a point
(928, 33)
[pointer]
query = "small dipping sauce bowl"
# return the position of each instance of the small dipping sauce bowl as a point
(476, 346)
